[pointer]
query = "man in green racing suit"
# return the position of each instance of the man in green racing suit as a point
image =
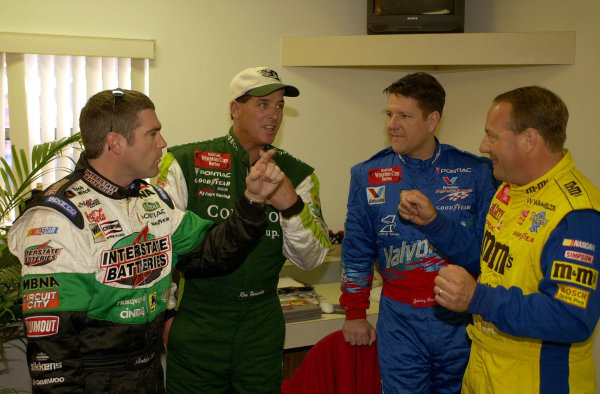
(229, 330)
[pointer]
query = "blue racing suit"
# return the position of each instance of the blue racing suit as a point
(423, 347)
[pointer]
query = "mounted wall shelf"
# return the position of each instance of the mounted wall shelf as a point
(456, 49)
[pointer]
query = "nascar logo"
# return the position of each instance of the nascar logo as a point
(579, 244)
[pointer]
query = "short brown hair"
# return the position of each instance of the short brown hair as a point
(422, 87)
(104, 107)
(541, 109)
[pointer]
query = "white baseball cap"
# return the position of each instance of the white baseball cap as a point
(258, 81)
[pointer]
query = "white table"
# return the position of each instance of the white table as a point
(309, 332)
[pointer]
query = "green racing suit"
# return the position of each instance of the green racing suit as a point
(229, 330)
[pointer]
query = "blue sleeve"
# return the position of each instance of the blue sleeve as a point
(460, 243)
(359, 247)
(567, 307)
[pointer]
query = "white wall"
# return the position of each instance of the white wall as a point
(338, 118)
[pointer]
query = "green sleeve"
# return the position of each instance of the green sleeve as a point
(189, 233)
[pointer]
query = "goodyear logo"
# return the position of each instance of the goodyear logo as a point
(574, 273)
(573, 296)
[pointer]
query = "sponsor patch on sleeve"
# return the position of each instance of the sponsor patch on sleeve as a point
(63, 205)
(42, 231)
(579, 244)
(573, 296)
(574, 273)
(579, 256)
(41, 254)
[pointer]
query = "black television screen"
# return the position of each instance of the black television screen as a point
(415, 16)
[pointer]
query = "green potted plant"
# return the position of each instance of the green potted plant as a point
(18, 181)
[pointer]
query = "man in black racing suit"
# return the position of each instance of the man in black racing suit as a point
(97, 248)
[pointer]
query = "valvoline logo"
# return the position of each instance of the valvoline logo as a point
(376, 195)
(450, 181)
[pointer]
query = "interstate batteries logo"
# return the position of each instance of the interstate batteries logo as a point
(41, 254)
(136, 259)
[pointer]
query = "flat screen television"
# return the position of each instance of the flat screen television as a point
(415, 16)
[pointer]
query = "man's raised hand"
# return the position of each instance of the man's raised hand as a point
(264, 177)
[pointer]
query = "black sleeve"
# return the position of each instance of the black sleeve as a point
(226, 245)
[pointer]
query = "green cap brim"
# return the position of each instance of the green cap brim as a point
(288, 90)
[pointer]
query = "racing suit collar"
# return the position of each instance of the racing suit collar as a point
(538, 184)
(238, 149)
(104, 186)
(423, 164)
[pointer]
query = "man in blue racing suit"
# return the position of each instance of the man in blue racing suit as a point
(423, 348)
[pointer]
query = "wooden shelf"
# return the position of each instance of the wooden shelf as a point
(456, 49)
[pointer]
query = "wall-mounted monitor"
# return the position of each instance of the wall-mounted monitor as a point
(415, 16)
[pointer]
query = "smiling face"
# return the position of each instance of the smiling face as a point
(256, 121)
(503, 145)
(409, 130)
(141, 158)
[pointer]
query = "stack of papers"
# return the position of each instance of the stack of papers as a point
(299, 301)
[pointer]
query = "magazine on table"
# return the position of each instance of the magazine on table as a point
(299, 300)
